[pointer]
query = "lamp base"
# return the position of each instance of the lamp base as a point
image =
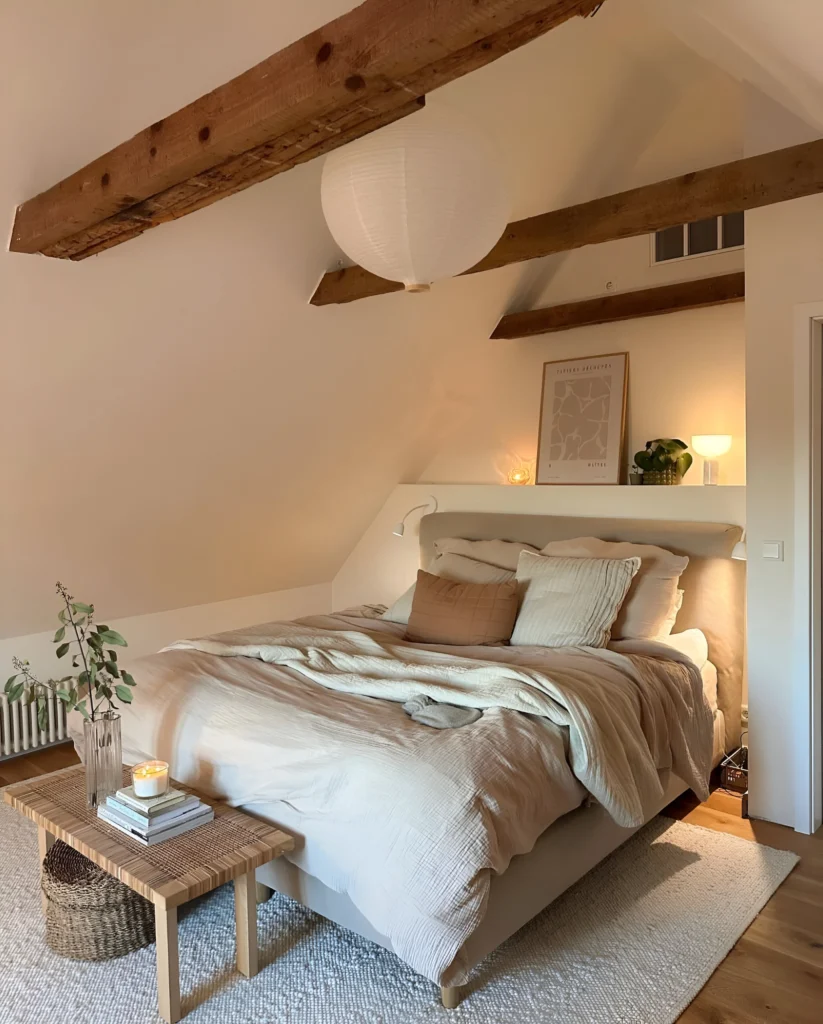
(711, 472)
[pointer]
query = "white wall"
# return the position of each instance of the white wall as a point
(149, 633)
(382, 566)
(784, 268)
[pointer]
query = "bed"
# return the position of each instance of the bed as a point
(439, 846)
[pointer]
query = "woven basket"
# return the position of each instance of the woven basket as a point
(662, 476)
(89, 914)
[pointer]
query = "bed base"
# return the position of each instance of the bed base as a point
(565, 852)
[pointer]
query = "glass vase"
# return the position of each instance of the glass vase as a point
(103, 757)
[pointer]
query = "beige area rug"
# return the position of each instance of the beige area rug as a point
(633, 942)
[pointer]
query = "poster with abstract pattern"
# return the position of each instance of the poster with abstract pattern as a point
(582, 420)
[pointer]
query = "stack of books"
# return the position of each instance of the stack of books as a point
(150, 820)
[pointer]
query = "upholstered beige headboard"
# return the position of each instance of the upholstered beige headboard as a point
(713, 583)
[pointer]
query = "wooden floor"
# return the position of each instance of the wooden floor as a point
(774, 975)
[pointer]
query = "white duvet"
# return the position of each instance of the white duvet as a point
(301, 723)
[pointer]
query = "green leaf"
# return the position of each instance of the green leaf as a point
(61, 615)
(94, 641)
(81, 707)
(64, 695)
(123, 694)
(58, 636)
(62, 649)
(112, 655)
(111, 636)
(10, 682)
(83, 678)
(16, 692)
(78, 606)
(127, 678)
(684, 463)
(101, 628)
(42, 716)
(112, 669)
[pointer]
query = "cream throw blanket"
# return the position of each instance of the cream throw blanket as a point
(618, 735)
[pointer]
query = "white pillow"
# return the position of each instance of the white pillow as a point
(452, 567)
(570, 602)
(691, 642)
(649, 609)
(502, 553)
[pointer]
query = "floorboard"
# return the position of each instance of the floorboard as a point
(774, 975)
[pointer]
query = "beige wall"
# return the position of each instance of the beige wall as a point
(784, 268)
(686, 376)
(182, 427)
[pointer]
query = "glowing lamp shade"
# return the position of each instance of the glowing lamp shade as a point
(711, 447)
(416, 201)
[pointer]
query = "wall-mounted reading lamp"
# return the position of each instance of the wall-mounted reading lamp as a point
(400, 527)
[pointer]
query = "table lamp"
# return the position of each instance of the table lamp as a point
(711, 447)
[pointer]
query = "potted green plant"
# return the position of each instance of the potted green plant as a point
(664, 461)
(91, 691)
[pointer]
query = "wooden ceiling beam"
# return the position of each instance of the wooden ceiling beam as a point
(669, 298)
(359, 72)
(742, 185)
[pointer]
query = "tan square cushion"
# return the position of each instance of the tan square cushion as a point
(570, 602)
(463, 614)
(653, 600)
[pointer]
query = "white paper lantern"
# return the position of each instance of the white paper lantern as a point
(417, 201)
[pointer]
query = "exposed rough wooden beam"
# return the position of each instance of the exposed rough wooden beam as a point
(669, 298)
(359, 72)
(742, 185)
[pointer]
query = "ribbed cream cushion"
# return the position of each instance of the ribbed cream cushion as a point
(570, 602)
(464, 614)
(652, 603)
(452, 567)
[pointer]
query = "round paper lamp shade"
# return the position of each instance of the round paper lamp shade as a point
(419, 200)
(710, 446)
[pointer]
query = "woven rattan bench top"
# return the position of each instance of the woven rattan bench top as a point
(168, 874)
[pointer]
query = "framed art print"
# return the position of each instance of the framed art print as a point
(583, 420)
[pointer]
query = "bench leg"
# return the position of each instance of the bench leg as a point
(245, 919)
(264, 893)
(168, 965)
(450, 997)
(45, 841)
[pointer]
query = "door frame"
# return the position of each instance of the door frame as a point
(807, 658)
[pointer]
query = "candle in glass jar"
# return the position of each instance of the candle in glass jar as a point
(150, 778)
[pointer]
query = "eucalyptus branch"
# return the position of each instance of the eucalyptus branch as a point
(67, 598)
(102, 677)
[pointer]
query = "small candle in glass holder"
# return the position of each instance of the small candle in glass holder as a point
(150, 778)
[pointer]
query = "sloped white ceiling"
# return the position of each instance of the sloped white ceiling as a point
(179, 426)
(773, 44)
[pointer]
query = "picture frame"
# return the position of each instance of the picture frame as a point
(582, 430)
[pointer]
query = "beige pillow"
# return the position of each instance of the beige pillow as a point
(502, 553)
(652, 603)
(570, 602)
(464, 614)
(452, 567)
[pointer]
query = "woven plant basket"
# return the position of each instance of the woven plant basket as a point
(669, 477)
(89, 914)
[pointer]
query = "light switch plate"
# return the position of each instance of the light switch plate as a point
(773, 549)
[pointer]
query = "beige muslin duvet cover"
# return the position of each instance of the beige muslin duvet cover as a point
(301, 723)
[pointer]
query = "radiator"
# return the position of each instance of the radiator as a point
(19, 731)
